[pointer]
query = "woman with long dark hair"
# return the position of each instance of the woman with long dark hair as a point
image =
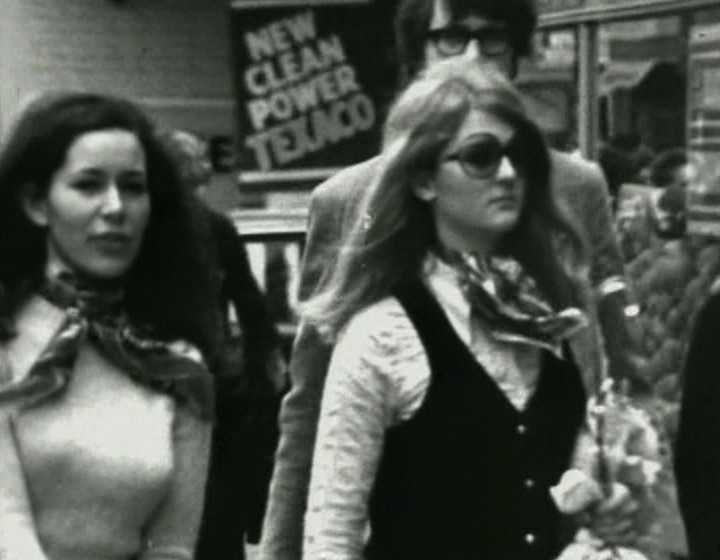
(105, 402)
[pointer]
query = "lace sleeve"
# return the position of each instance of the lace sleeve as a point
(377, 377)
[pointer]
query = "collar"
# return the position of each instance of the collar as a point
(445, 284)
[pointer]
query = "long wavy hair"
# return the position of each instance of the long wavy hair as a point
(394, 229)
(168, 287)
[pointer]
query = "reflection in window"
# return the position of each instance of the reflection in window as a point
(549, 85)
(637, 60)
(704, 123)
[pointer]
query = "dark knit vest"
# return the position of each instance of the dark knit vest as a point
(467, 477)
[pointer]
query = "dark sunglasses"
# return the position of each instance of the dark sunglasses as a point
(481, 154)
(453, 40)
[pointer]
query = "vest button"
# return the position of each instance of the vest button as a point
(529, 538)
(529, 483)
(521, 429)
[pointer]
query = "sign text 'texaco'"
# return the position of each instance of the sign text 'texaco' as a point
(303, 92)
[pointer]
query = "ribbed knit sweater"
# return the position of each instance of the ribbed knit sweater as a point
(107, 469)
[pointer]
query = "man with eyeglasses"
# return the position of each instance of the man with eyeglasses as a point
(495, 33)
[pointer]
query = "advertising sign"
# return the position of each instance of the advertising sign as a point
(313, 81)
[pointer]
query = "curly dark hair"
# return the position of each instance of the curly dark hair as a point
(412, 22)
(168, 287)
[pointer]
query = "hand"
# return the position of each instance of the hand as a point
(278, 371)
(612, 519)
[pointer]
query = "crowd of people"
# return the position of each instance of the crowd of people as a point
(462, 302)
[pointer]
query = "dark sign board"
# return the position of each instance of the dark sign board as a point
(313, 81)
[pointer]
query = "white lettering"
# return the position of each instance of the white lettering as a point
(302, 27)
(280, 35)
(291, 70)
(281, 42)
(311, 60)
(345, 78)
(363, 112)
(331, 50)
(259, 44)
(281, 106)
(310, 133)
(304, 96)
(258, 143)
(259, 111)
(291, 67)
(254, 81)
(326, 86)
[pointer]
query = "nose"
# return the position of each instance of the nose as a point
(506, 169)
(473, 50)
(112, 204)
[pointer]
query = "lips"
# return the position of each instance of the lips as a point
(112, 241)
(504, 199)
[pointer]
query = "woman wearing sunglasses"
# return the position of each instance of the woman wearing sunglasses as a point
(452, 401)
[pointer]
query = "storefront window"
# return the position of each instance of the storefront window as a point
(642, 91)
(659, 91)
(658, 88)
(703, 127)
(548, 81)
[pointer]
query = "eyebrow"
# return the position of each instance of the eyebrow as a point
(99, 171)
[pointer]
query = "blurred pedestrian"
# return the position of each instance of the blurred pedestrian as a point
(105, 416)
(697, 459)
(248, 389)
(673, 171)
(671, 168)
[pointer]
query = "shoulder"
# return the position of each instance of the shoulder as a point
(379, 352)
(381, 336)
(345, 183)
(381, 322)
(572, 170)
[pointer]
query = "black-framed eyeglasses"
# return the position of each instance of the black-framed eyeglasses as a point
(481, 154)
(453, 40)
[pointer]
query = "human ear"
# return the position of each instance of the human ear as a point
(34, 204)
(424, 189)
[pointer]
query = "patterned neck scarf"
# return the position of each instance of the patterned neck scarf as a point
(95, 314)
(507, 299)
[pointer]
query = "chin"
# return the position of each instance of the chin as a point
(504, 224)
(106, 271)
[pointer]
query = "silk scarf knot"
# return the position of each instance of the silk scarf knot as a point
(507, 299)
(95, 314)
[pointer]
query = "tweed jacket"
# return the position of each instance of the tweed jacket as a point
(580, 188)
